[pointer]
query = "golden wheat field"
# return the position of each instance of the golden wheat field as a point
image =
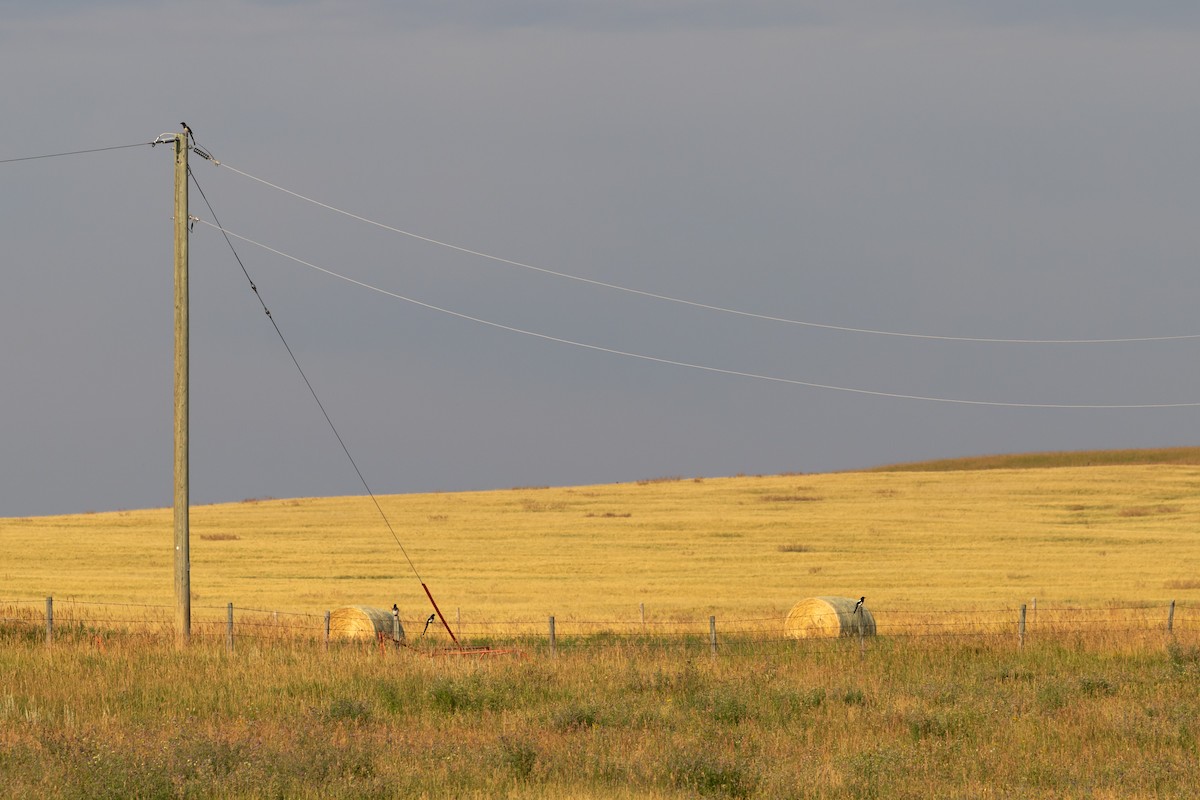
(740, 547)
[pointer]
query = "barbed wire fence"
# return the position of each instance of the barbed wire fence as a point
(98, 624)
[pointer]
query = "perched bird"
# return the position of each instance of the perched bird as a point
(428, 622)
(858, 606)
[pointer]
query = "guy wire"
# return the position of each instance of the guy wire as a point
(311, 390)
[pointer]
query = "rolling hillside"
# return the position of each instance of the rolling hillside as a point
(971, 533)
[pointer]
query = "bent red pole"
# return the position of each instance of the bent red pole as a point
(439, 613)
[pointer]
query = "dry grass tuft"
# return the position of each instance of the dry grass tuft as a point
(790, 498)
(1149, 511)
(537, 507)
(1190, 583)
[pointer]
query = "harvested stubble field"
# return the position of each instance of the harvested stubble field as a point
(744, 547)
(1100, 702)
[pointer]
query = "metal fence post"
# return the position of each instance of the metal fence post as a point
(1021, 627)
(553, 640)
(1171, 618)
(862, 637)
(49, 620)
(327, 631)
(229, 627)
(712, 634)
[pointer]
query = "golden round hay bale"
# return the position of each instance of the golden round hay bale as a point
(361, 622)
(828, 617)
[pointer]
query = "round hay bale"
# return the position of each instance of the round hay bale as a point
(361, 622)
(828, 617)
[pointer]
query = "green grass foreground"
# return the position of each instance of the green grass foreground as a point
(132, 717)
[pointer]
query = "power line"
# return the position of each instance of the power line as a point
(76, 152)
(702, 367)
(345, 449)
(694, 304)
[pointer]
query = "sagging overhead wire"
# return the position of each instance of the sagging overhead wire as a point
(77, 152)
(695, 304)
(671, 362)
(307, 382)
(312, 390)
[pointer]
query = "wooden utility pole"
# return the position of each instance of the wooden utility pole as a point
(183, 581)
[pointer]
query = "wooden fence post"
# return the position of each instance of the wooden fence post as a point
(1171, 618)
(229, 627)
(553, 641)
(643, 608)
(395, 624)
(49, 620)
(1021, 627)
(327, 631)
(712, 634)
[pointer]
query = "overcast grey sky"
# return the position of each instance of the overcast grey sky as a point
(988, 170)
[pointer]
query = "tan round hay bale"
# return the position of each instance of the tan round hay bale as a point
(361, 622)
(821, 617)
